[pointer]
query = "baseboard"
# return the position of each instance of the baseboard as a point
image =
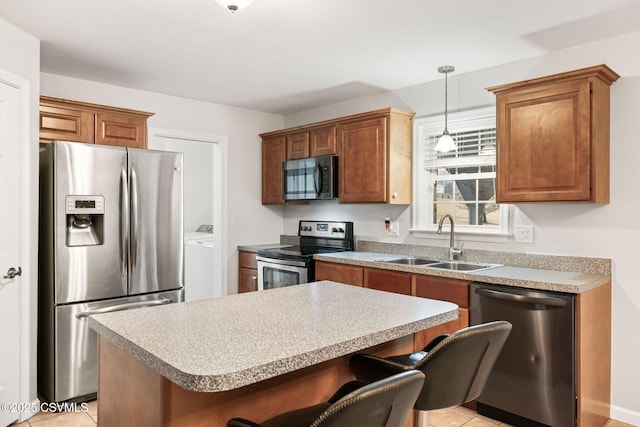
(625, 415)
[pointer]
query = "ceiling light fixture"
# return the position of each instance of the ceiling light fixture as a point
(445, 142)
(234, 5)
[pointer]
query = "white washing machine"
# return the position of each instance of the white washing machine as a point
(198, 267)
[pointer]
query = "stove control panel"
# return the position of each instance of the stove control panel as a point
(324, 229)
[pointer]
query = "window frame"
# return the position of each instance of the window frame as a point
(423, 225)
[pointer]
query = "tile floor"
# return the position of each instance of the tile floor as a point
(453, 417)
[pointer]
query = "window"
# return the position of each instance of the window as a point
(461, 182)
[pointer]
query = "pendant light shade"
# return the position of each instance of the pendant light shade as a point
(234, 5)
(445, 142)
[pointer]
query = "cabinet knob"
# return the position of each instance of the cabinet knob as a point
(394, 195)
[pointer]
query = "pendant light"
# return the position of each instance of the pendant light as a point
(445, 142)
(234, 5)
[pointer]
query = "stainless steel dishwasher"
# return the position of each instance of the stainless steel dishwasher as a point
(533, 382)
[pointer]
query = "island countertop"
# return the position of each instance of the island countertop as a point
(225, 343)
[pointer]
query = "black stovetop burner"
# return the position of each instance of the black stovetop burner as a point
(316, 237)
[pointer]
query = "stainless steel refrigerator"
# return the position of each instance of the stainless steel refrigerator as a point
(111, 238)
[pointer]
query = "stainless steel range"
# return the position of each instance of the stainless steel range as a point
(294, 265)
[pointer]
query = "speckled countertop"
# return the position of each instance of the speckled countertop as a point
(225, 343)
(256, 248)
(534, 278)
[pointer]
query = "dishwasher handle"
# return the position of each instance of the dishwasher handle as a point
(507, 296)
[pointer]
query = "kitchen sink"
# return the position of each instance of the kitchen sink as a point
(463, 266)
(413, 261)
(442, 264)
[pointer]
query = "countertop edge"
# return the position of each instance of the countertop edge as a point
(503, 275)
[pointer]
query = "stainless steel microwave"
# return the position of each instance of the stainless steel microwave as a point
(313, 178)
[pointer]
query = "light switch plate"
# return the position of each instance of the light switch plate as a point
(524, 233)
(394, 229)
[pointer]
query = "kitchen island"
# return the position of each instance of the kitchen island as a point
(252, 355)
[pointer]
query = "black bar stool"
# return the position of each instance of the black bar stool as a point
(456, 366)
(383, 403)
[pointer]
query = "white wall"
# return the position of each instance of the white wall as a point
(21, 57)
(248, 221)
(198, 178)
(607, 231)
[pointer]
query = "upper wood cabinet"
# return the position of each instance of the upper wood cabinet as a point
(310, 143)
(375, 158)
(374, 150)
(75, 121)
(553, 138)
(274, 152)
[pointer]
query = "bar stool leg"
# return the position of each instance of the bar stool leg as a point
(422, 418)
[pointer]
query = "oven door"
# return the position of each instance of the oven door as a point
(276, 273)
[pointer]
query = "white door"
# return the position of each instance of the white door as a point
(10, 172)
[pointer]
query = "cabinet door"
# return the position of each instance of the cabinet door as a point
(273, 154)
(247, 260)
(297, 145)
(544, 143)
(322, 141)
(339, 273)
(247, 280)
(443, 289)
(424, 337)
(121, 130)
(363, 161)
(390, 281)
(66, 124)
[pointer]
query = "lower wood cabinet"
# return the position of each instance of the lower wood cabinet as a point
(339, 273)
(385, 280)
(247, 272)
(443, 289)
(433, 287)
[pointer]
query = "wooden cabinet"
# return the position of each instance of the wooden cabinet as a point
(553, 138)
(75, 121)
(274, 152)
(374, 150)
(385, 280)
(297, 145)
(247, 272)
(443, 289)
(375, 159)
(425, 286)
(322, 141)
(340, 273)
(310, 143)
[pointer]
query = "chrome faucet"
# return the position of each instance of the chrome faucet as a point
(454, 253)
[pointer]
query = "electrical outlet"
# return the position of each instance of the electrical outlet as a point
(524, 233)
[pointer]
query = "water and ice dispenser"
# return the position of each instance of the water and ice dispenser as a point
(85, 220)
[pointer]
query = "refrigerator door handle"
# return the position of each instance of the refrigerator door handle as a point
(547, 300)
(124, 223)
(121, 307)
(133, 223)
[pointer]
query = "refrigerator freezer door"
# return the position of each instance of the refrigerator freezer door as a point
(96, 271)
(157, 251)
(75, 364)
